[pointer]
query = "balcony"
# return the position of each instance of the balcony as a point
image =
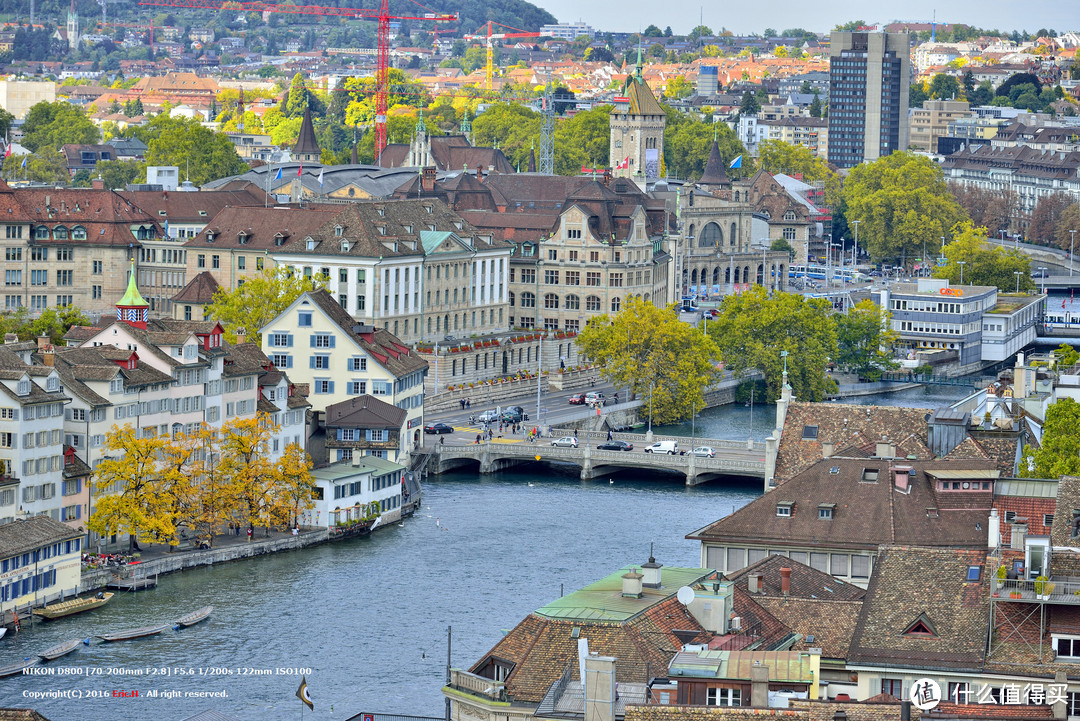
(476, 685)
(1060, 590)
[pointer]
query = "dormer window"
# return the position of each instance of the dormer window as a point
(339, 230)
(210, 235)
(310, 244)
(41, 233)
(345, 246)
(790, 215)
(869, 475)
(24, 388)
(825, 511)
(242, 238)
(458, 224)
(78, 233)
(408, 229)
(382, 229)
(429, 209)
(380, 210)
(52, 384)
(784, 508)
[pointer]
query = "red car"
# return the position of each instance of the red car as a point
(578, 399)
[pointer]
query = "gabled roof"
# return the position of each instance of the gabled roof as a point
(381, 345)
(261, 227)
(365, 412)
(913, 580)
(868, 509)
(34, 532)
(195, 207)
(200, 289)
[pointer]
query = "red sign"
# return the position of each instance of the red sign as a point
(951, 291)
(620, 99)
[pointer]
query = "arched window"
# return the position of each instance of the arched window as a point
(41, 233)
(60, 232)
(78, 233)
(647, 296)
(789, 216)
(716, 275)
(616, 305)
(572, 302)
(693, 277)
(690, 232)
(528, 300)
(551, 301)
(592, 303)
(511, 297)
(731, 235)
(711, 236)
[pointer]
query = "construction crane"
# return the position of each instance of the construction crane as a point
(149, 28)
(382, 16)
(435, 34)
(489, 36)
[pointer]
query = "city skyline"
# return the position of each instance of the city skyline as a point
(636, 15)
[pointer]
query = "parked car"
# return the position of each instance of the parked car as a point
(669, 447)
(592, 397)
(565, 442)
(577, 399)
(437, 428)
(488, 417)
(514, 414)
(704, 452)
(616, 446)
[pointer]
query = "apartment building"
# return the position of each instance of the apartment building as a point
(932, 121)
(319, 344)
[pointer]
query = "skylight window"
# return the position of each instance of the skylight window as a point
(974, 572)
(809, 433)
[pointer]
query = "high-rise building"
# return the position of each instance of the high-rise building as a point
(868, 96)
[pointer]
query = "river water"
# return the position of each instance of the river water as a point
(365, 620)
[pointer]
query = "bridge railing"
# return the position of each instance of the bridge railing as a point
(574, 455)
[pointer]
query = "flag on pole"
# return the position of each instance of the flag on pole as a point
(300, 170)
(737, 162)
(24, 161)
(303, 695)
(320, 177)
(278, 174)
(7, 152)
(166, 228)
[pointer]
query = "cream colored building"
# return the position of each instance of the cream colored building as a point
(18, 96)
(932, 120)
(41, 561)
(319, 344)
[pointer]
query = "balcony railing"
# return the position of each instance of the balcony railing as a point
(476, 685)
(1062, 590)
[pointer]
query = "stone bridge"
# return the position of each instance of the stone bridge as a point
(733, 458)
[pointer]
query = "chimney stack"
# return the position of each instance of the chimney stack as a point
(1059, 706)
(754, 583)
(993, 529)
(885, 449)
(48, 356)
(631, 584)
(43, 342)
(241, 336)
(905, 710)
(651, 573)
(759, 686)
(785, 581)
(10, 338)
(601, 691)
(356, 458)
(97, 184)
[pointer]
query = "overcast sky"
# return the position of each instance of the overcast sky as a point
(819, 16)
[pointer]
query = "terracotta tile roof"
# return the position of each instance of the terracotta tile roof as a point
(837, 424)
(261, 227)
(1068, 497)
(769, 632)
(31, 533)
(194, 207)
(364, 412)
(825, 624)
(107, 217)
(806, 582)
(866, 513)
(919, 582)
(948, 709)
(200, 289)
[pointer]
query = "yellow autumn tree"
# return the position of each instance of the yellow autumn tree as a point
(211, 505)
(132, 496)
(293, 493)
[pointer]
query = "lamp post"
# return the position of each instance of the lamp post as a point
(1072, 242)
(1018, 273)
(1042, 274)
(651, 384)
(855, 250)
(962, 263)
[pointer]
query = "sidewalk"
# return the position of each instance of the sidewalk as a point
(154, 551)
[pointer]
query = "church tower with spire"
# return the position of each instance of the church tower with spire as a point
(637, 125)
(420, 148)
(133, 308)
(73, 27)
(307, 149)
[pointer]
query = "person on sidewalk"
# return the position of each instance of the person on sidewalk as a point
(610, 436)
(251, 530)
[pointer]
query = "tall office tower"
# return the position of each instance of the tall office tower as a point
(869, 75)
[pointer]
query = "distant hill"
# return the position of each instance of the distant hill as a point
(515, 13)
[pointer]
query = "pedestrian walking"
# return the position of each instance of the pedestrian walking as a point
(477, 439)
(609, 434)
(462, 402)
(468, 403)
(442, 441)
(251, 530)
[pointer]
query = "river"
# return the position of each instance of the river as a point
(366, 619)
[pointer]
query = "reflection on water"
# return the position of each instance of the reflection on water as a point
(368, 617)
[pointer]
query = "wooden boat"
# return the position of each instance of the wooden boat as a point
(194, 617)
(63, 649)
(132, 633)
(75, 605)
(132, 584)
(16, 669)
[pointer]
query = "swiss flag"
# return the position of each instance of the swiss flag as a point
(7, 152)
(625, 163)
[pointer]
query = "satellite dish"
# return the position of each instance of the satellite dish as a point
(685, 595)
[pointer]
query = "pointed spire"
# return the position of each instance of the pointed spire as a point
(421, 129)
(133, 308)
(307, 145)
(637, 68)
(714, 173)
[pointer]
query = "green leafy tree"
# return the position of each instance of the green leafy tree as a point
(200, 153)
(119, 173)
(687, 142)
(584, 139)
(51, 125)
(902, 204)
(661, 359)
(296, 102)
(48, 165)
(6, 119)
(917, 95)
(776, 156)
(514, 127)
(850, 27)
(259, 300)
(753, 328)
(944, 87)
(1046, 217)
(1058, 453)
(653, 32)
(679, 88)
(1069, 220)
(984, 263)
(701, 31)
(781, 245)
(864, 336)
(1066, 356)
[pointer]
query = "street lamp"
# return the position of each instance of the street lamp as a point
(1018, 273)
(651, 384)
(855, 250)
(1042, 274)
(1072, 242)
(962, 263)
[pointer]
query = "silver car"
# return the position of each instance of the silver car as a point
(565, 442)
(703, 452)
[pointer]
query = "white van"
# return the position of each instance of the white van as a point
(669, 447)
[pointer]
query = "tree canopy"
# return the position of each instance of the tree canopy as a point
(864, 336)
(1058, 453)
(648, 349)
(53, 322)
(903, 205)
(200, 153)
(984, 263)
(687, 141)
(52, 125)
(259, 300)
(753, 328)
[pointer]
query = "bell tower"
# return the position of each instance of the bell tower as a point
(133, 308)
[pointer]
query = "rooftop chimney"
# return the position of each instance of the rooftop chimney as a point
(241, 336)
(97, 184)
(10, 338)
(631, 584)
(1059, 706)
(753, 584)
(759, 686)
(785, 581)
(48, 356)
(993, 529)
(651, 573)
(427, 180)
(885, 449)
(43, 342)
(905, 710)
(356, 458)
(601, 688)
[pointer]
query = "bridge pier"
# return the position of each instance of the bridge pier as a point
(691, 471)
(586, 463)
(487, 465)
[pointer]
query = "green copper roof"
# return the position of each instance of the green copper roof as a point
(603, 600)
(132, 296)
(432, 239)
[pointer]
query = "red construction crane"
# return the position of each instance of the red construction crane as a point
(382, 16)
(149, 27)
(489, 36)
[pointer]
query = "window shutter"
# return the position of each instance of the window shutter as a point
(289, 339)
(78, 485)
(332, 339)
(331, 389)
(312, 339)
(288, 359)
(311, 360)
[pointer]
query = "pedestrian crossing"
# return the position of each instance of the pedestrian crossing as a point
(475, 431)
